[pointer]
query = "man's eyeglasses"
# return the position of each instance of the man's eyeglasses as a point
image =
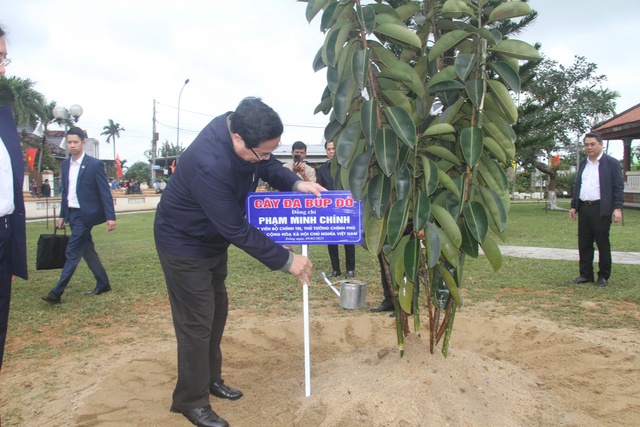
(260, 158)
(5, 62)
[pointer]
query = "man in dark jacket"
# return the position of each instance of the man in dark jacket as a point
(201, 213)
(598, 197)
(13, 240)
(86, 202)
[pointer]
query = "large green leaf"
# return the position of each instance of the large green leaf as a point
(318, 63)
(421, 211)
(439, 129)
(447, 85)
(367, 18)
(359, 174)
(469, 245)
(369, 120)
(447, 182)
(494, 175)
(477, 221)
(343, 97)
(360, 67)
(313, 7)
(345, 143)
(471, 142)
(386, 148)
(464, 63)
(403, 181)
(334, 42)
(400, 33)
(475, 91)
(397, 221)
(448, 224)
(508, 10)
(412, 258)
(330, 15)
(443, 153)
(405, 295)
(432, 245)
(447, 73)
(408, 9)
(379, 194)
(450, 282)
(455, 9)
(402, 124)
(508, 74)
(446, 42)
(403, 72)
(492, 252)
(374, 235)
(495, 148)
(517, 49)
(431, 178)
(504, 100)
(448, 249)
(396, 261)
(495, 208)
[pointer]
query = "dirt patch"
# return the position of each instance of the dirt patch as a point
(501, 371)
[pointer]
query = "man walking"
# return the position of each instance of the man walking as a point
(598, 197)
(86, 202)
(326, 180)
(13, 240)
(201, 213)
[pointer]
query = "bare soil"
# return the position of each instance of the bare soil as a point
(501, 371)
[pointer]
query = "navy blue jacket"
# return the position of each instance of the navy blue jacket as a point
(323, 176)
(92, 189)
(202, 210)
(9, 134)
(611, 185)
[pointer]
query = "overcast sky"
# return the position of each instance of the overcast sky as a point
(115, 57)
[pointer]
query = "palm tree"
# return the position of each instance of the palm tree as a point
(27, 102)
(112, 130)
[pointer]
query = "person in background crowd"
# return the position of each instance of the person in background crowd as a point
(298, 165)
(45, 189)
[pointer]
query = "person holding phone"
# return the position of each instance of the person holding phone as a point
(298, 165)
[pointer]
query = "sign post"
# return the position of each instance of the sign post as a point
(292, 218)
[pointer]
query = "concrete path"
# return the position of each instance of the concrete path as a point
(564, 254)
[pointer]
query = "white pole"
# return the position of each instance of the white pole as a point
(307, 361)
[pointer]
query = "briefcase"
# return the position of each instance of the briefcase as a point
(51, 250)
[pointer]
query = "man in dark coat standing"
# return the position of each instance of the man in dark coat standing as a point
(598, 197)
(13, 241)
(86, 202)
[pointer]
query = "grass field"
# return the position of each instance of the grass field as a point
(523, 286)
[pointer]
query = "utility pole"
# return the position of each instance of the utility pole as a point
(154, 146)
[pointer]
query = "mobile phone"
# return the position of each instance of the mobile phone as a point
(297, 158)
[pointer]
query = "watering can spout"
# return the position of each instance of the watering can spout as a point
(333, 288)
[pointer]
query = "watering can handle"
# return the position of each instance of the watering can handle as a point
(333, 288)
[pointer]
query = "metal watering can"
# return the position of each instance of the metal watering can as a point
(352, 293)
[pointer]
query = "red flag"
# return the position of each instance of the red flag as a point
(118, 166)
(31, 156)
(173, 166)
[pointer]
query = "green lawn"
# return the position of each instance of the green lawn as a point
(38, 329)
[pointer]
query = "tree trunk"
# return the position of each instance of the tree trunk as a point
(553, 198)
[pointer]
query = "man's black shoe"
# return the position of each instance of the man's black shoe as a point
(98, 291)
(218, 389)
(384, 306)
(52, 298)
(349, 275)
(202, 417)
(601, 281)
(580, 279)
(334, 274)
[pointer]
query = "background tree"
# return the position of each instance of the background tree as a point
(112, 130)
(26, 101)
(138, 170)
(419, 169)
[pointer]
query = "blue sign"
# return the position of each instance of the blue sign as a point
(304, 219)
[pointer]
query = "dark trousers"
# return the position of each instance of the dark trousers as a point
(199, 306)
(5, 280)
(349, 253)
(80, 246)
(594, 228)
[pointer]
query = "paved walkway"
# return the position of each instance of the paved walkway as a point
(564, 254)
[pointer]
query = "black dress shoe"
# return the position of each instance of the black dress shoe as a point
(218, 389)
(601, 281)
(580, 279)
(334, 274)
(98, 291)
(384, 306)
(349, 275)
(52, 298)
(202, 417)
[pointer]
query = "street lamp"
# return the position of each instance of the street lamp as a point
(62, 115)
(178, 127)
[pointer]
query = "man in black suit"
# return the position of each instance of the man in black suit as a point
(13, 240)
(598, 195)
(86, 202)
